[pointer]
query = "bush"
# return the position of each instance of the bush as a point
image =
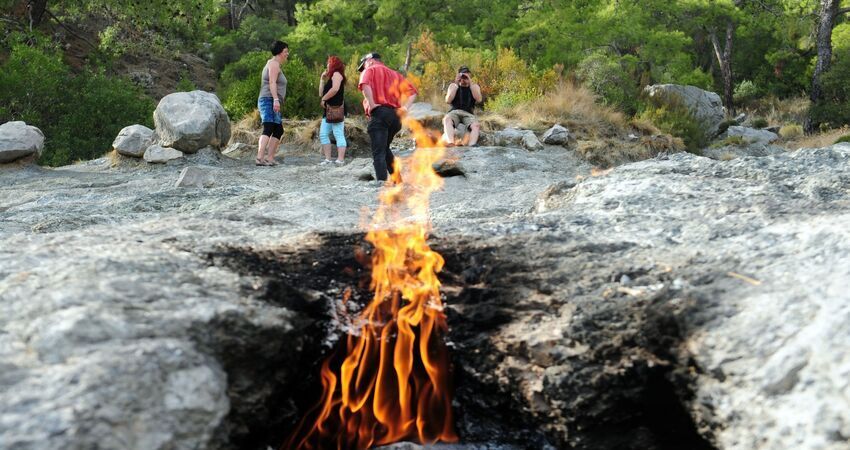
(759, 122)
(791, 131)
(80, 115)
(725, 125)
(845, 138)
(240, 85)
(675, 119)
(608, 77)
(834, 108)
(255, 33)
(745, 92)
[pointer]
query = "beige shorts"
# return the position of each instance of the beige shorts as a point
(459, 116)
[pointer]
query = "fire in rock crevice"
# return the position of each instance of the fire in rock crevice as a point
(391, 380)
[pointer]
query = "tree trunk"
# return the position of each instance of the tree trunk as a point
(35, 11)
(724, 59)
(407, 59)
(827, 13)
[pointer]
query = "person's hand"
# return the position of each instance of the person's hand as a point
(324, 75)
(276, 105)
(323, 104)
(402, 111)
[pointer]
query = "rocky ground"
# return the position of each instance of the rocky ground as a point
(679, 302)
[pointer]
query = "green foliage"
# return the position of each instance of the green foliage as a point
(185, 84)
(725, 125)
(609, 78)
(731, 141)
(255, 33)
(675, 119)
(240, 86)
(834, 109)
(759, 122)
(845, 138)
(79, 114)
(745, 91)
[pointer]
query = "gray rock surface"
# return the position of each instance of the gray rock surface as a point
(727, 152)
(515, 137)
(751, 135)
(19, 140)
(133, 140)
(557, 135)
(599, 310)
(239, 150)
(425, 113)
(704, 105)
(195, 177)
(157, 154)
(189, 121)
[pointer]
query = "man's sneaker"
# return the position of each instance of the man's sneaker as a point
(325, 162)
(339, 163)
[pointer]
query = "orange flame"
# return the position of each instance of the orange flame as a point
(393, 381)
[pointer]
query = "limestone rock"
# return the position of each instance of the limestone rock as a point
(195, 177)
(156, 154)
(751, 135)
(19, 140)
(727, 152)
(557, 135)
(705, 106)
(517, 137)
(426, 114)
(189, 121)
(133, 140)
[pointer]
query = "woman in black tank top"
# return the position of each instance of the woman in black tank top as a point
(332, 92)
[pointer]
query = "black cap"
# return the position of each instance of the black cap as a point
(463, 69)
(365, 58)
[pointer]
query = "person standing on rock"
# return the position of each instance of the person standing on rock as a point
(463, 94)
(387, 98)
(270, 102)
(333, 98)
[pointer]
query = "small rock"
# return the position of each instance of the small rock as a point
(156, 154)
(195, 177)
(751, 135)
(633, 137)
(740, 118)
(133, 141)
(19, 140)
(514, 137)
(557, 135)
(239, 150)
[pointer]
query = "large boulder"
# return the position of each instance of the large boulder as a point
(705, 106)
(19, 140)
(751, 135)
(156, 154)
(515, 137)
(133, 141)
(189, 121)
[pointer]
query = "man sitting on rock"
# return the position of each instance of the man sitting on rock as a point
(463, 95)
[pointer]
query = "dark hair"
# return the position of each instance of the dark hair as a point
(278, 47)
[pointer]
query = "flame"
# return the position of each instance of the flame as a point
(392, 381)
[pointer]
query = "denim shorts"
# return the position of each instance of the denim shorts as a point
(267, 113)
(338, 130)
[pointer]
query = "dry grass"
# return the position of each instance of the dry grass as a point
(644, 127)
(824, 139)
(792, 131)
(780, 111)
(569, 104)
(611, 152)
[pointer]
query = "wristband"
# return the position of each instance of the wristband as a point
(277, 101)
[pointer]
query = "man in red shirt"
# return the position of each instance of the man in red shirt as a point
(388, 95)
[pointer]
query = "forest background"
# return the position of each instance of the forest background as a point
(81, 70)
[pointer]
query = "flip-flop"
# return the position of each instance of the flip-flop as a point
(257, 162)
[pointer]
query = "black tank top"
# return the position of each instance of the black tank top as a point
(338, 98)
(463, 100)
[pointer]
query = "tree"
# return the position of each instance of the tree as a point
(828, 14)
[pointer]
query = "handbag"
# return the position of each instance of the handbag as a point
(334, 114)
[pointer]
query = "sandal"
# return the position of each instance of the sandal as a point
(258, 162)
(271, 163)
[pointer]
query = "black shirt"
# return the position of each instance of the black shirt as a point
(463, 99)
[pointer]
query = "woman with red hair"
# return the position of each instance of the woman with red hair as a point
(333, 96)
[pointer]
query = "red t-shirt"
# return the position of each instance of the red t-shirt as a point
(389, 88)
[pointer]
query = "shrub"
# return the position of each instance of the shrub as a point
(759, 122)
(80, 115)
(731, 141)
(240, 85)
(834, 108)
(725, 125)
(745, 92)
(675, 119)
(255, 33)
(608, 77)
(791, 131)
(845, 138)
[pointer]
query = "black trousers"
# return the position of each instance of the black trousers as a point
(382, 129)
